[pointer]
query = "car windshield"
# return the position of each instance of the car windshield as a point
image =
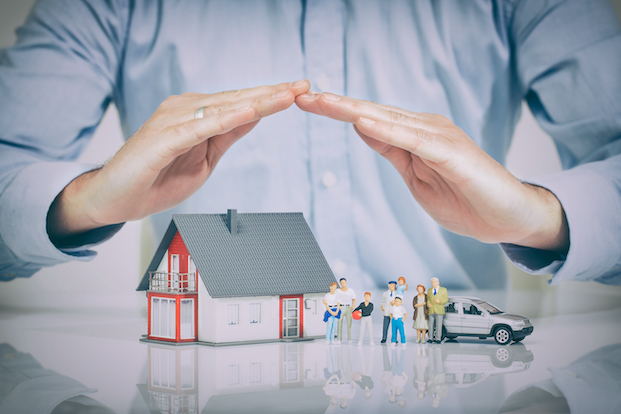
(489, 307)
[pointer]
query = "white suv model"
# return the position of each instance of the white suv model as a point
(469, 316)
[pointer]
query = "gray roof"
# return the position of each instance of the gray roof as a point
(271, 254)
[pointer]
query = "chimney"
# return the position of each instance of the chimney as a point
(231, 221)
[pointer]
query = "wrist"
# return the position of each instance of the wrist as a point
(69, 214)
(549, 229)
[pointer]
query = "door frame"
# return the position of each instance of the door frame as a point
(300, 299)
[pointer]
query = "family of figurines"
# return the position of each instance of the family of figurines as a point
(428, 312)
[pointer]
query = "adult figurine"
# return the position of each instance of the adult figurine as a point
(398, 314)
(347, 297)
(387, 298)
(331, 300)
(366, 308)
(437, 296)
(421, 314)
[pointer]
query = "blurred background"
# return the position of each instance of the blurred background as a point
(111, 278)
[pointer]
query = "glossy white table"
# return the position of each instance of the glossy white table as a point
(83, 350)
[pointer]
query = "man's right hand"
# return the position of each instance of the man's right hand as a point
(166, 160)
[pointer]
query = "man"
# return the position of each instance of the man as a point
(347, 297)
(387, 298)
(459, 95)
(437, 296)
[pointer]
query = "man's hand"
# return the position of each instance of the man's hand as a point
(452, 178)
(166, 160)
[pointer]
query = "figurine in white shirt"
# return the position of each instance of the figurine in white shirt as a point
(347, 297)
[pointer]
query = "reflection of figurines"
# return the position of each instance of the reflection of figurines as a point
(27, 387)
(421, 374)
(364, 377)
(398, 378)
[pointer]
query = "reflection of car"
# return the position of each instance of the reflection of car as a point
(469, 316)
(468, 364)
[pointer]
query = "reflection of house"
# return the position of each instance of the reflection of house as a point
(172, 380)
(230, 278)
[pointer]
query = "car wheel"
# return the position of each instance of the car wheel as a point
(503, 335)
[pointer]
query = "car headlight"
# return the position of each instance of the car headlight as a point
(519, 324)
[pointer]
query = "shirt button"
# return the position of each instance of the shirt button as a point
(323, 82)
(339, 267)
(329, 179)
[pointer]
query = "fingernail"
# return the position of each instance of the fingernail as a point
(332, 97)
(243, 108)
(366, 121)
(297, 83)
(281, 94)
(307, 95)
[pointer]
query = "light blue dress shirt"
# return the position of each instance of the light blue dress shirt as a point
(473, 62)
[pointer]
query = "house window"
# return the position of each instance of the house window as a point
(311, 305)
(163, 317)
(255, 313)
(233, 314)
(233, 374)
(186, 324)
(255, 372)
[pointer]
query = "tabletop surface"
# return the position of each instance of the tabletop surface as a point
(570, 361)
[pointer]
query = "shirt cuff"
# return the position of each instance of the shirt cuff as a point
(24, 205)
(592, 207)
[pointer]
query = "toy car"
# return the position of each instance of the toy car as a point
(470, 316)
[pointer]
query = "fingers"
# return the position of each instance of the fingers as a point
(296, 88)
(349, 109)
(250, 106)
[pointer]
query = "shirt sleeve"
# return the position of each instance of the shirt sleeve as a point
(55, 85)
(567, 62)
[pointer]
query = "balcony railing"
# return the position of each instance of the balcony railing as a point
(172, 282)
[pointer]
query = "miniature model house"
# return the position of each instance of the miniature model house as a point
(230, 278)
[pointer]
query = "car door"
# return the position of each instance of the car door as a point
(474, 320)
(452, 319)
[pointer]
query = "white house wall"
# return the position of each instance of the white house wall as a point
(313, 315)
(207, 315)
(163, 266)
(268, 328)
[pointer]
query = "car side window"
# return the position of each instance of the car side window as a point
(450, 308)
(470, 309)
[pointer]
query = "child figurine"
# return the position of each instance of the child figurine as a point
(421, 314)
(332, 312)
(402, 287)
(398, 313)
(366, 308)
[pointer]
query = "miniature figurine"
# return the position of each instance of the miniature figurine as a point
(387, 298)
(333, 312)
(437, 296)
(347, 297)
(398, 313)
(421, 314)
(366, 308)
(402, 287)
